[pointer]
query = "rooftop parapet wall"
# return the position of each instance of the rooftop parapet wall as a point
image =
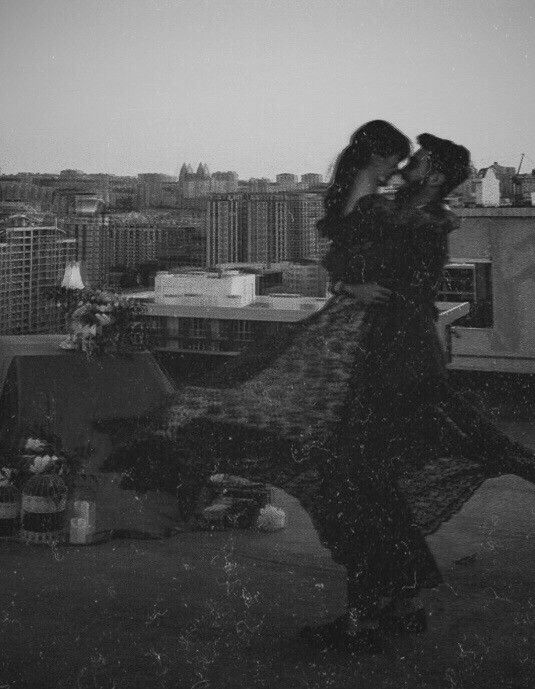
(496, 212)
(481, 229)
(506, 238)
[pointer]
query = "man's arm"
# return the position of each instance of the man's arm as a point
(366, 294)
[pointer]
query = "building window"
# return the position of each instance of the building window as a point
(197, 327)
(470, 282)
(242, 331)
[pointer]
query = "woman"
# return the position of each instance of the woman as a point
(348, 387)
(303, 393)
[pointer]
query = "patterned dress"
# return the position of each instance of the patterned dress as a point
(378, 448)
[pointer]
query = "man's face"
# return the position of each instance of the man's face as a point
(418, 167)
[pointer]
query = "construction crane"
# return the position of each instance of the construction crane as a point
(520, 163)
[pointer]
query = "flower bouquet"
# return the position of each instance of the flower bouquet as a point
(101, 321)
(42, 483)
(35, 481)
(37, 456)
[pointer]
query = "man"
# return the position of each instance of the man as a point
(407, 383)
(434, 171)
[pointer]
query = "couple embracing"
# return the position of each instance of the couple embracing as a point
(361, 391)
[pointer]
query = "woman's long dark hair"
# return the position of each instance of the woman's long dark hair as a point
(376, 136)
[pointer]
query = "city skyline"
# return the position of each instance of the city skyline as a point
(260, 88)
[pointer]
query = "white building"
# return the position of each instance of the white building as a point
(487, 188)
(203, 288)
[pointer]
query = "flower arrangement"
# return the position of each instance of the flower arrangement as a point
(101, 321)
(37, 456)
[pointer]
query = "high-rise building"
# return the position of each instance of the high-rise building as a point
(173, 238)
(305, 242)
(181, 237)
(32, 260)
(226, 240)
(266, 219)
(86, 222)
(132, 239)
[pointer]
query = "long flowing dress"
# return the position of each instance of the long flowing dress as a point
(378, 448)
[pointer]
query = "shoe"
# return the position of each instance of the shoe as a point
(395, 624)
(340, 635)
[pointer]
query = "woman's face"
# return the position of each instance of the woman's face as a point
(386, 166)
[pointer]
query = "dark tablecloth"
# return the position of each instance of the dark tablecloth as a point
(45, 388)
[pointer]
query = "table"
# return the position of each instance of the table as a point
(45, 388)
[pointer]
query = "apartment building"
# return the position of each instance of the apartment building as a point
(32, 260)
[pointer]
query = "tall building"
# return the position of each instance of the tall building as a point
(170, 238)
(87, 223)
(32, 260)
(305, 242)
(181, 237)
(226, 240)
(266, 219)
(131, 240)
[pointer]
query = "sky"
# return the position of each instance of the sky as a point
(258, 86)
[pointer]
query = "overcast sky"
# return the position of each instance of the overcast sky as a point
(258, 86)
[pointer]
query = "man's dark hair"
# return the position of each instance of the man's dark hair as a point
(451, 160)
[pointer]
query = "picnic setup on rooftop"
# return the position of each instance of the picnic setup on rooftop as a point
(85, 454)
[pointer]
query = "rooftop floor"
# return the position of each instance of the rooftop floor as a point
(209, 610)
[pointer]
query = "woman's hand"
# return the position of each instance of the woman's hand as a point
(369, 293)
